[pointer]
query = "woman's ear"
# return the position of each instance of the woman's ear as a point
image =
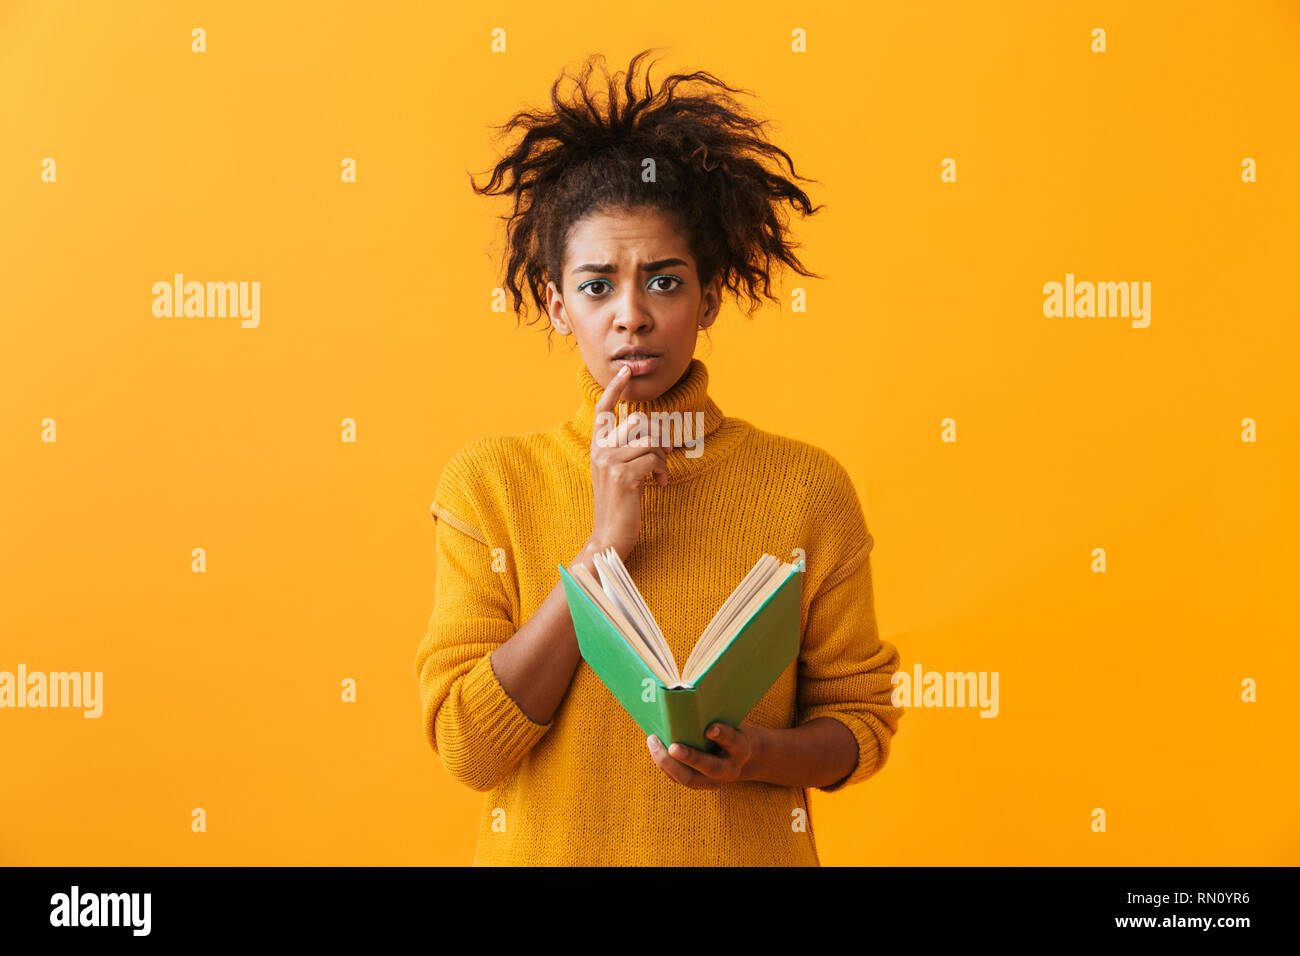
(555, 309)
(711, 302)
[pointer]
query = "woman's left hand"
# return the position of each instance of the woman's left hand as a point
(703, 771)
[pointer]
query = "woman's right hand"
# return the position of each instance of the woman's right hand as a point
(618, 472)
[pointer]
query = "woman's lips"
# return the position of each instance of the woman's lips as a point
(640, 366)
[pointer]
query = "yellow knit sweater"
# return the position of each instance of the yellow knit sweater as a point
(584, 789)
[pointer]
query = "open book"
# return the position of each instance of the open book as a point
(747, 645)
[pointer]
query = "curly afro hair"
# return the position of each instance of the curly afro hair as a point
(711, 177)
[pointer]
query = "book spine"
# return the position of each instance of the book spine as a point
(684, 721)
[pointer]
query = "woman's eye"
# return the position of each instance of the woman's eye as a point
(596, 287)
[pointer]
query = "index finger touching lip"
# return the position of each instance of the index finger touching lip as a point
(609, 397)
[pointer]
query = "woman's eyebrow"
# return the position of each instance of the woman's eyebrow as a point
(644, 267)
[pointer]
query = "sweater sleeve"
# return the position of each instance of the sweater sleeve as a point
(475, 727)
(845, 670)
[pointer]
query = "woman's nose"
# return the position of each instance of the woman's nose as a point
(630, 316)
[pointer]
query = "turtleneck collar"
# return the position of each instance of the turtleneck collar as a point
(706, 434)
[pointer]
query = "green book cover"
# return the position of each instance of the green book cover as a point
(736, 680)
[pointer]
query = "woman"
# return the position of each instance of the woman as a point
(628, 225)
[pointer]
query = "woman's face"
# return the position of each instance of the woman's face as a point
(630, 283)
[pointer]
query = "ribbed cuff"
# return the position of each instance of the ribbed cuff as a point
(502, 732)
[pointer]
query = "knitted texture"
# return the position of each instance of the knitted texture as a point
(583, 789)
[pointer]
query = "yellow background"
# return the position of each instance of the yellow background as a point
(222, 690)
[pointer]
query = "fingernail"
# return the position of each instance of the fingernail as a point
(654, 744)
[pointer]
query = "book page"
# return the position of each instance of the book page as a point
(614, 590)
(621, 623)
(739, 619)
(718, 625)
(743, 587)
(621, 582)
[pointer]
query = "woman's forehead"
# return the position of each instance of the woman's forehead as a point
(624, 238)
